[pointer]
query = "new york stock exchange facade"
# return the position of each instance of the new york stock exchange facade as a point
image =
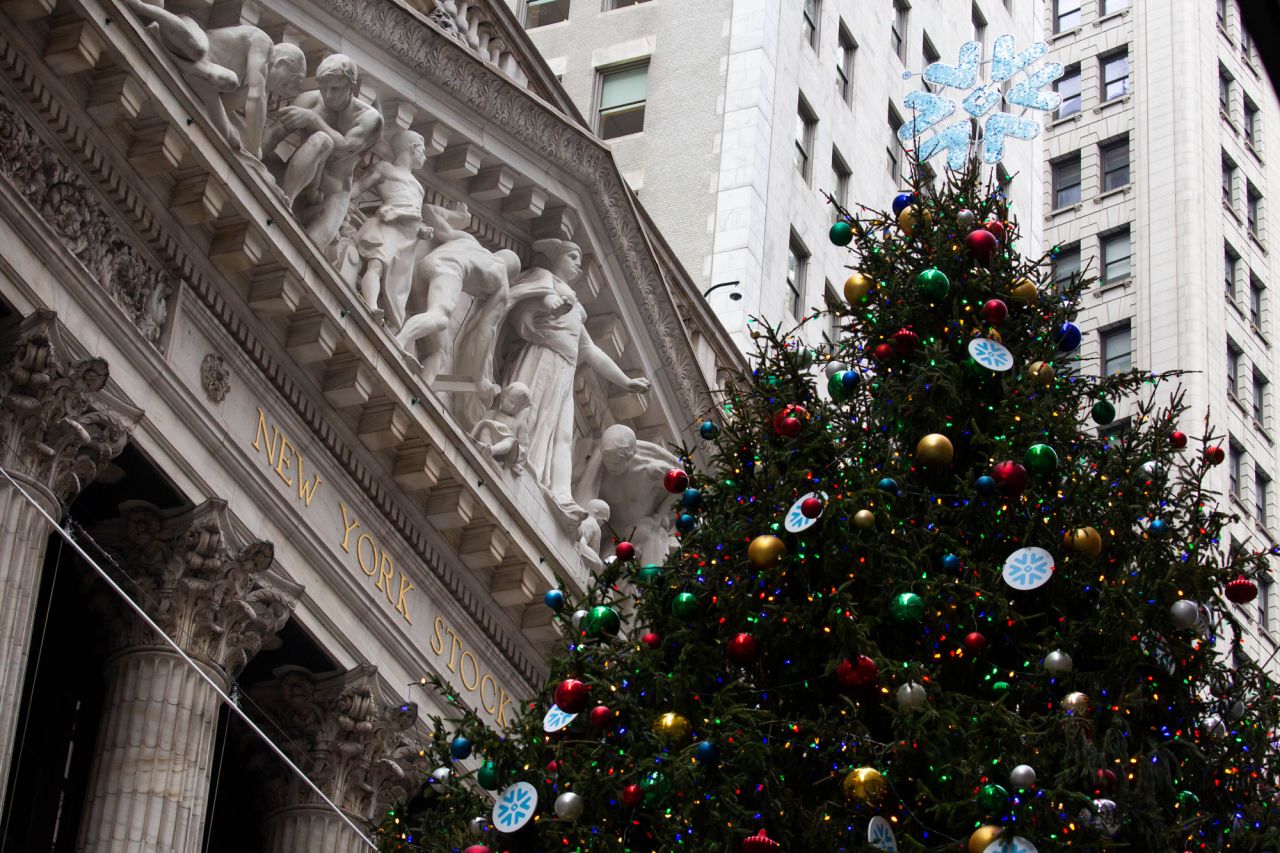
(333, 339)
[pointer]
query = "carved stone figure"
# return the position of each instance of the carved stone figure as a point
(459, 264)
(550, 326)
(627, 474)
(388, 240)
(336, 128)
(591, 532)
(231, 69)
(504, 430)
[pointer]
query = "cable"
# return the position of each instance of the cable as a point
(226, 700)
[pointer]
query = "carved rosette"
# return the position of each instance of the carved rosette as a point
(355, 745)
(215, 378)
(51, 424)
(208, 591)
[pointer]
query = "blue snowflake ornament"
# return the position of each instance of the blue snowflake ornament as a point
(1013, 844)
(515, 807)
(929, 110)
(990, 354)
(555, 720)
(880, 835)
(1028, 568)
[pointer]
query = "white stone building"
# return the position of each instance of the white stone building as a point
(1158, 182)
(320, 494)
(752, 108)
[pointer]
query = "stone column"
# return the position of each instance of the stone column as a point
(55, 437)
(357, 747)
(212, 593)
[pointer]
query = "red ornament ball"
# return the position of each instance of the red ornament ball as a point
(974, 641)
(789, 427)
(572, 696)
(1215, 455)
(600, 716)
(792, 411)
(553, 768)
(811, 507)
(861, 673)
(994, 311)
(884, 352)
(1011, 477)
(675, 481)
(476, 848)
(632, 796)
(624, 551)
(981, 243)
(905, 341)
(1242, 590)
(1178, 440)
(760, 843)
(652, 640)
(742, 649)
(1105, 780)
(997, 229)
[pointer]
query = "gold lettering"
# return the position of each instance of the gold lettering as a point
(348, 526)
(307, 488)
(453, 650)
(385, 571)
(437, 642)
(262, 433)
(489, 678)
(285, 461)
(502, 709)
(365, 537)
(475, 669)
(401, 607)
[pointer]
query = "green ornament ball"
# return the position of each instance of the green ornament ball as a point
(907, 607)
(993, 798)
(656, 787)
(933, 283)
(487, 776)
(1103, 413)
(1041, 459)
(1188, 800)
(602, 619)
(835, 386)
(841, 233)
(651, 573)
(1000, 687)
(685, 605)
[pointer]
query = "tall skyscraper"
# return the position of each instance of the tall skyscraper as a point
(730, 117)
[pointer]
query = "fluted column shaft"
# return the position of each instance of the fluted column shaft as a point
(24, 536)
(150, 782)
(309, 829)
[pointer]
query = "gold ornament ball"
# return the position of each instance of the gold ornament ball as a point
(672, 727)
(857, 287)
(864, 519)
(764, 552)
(1024, 293)
(1040, 372)
(983, 837)
(1084, 540)
(1076, 703)
(935, 450)
(910, 218)
(864, 785)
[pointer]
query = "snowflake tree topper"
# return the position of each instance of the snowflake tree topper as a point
(981, 102)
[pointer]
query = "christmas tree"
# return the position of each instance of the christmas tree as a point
(931, 594)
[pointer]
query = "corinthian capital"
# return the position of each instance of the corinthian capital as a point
(354, 743)
(205, 584)
(57, 424)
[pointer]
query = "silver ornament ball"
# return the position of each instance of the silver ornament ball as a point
(1058, 661)
(1236, 711)
(1184, 613)
(1022, 776)
(834, 367)
(1214, 727)
(1105, 817)
(966, 218)
(439, 777)
(478, 825)
(912, 696)
(578, 616)
(1152, 470)
(569, 806)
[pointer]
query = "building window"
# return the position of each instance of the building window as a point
(1230, 272)
(1068, 86)
(901, 11)
(622, 99)
(833, 319)
(809, 10)
(1066, 15)
(1066, 265)
(1253, 212)
(1115, 76)
(1110, 7)
(1233, 370)
(893, 150)
(979, 26)
(1251, 122)
(1116, 255)
(1248, 48)
(1224, 92)
(1228, 182)
(1115, 164)
(1261, 497)
(1235, 462)
(1261, 390)
(1255, 301)
(806, 123)
(842, 174)
(1266, 596)
(1222, 14)
(539, 13)
(1066, 181)
(797, 266)
(620, 4)
(844, 65)
(1117, 349)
